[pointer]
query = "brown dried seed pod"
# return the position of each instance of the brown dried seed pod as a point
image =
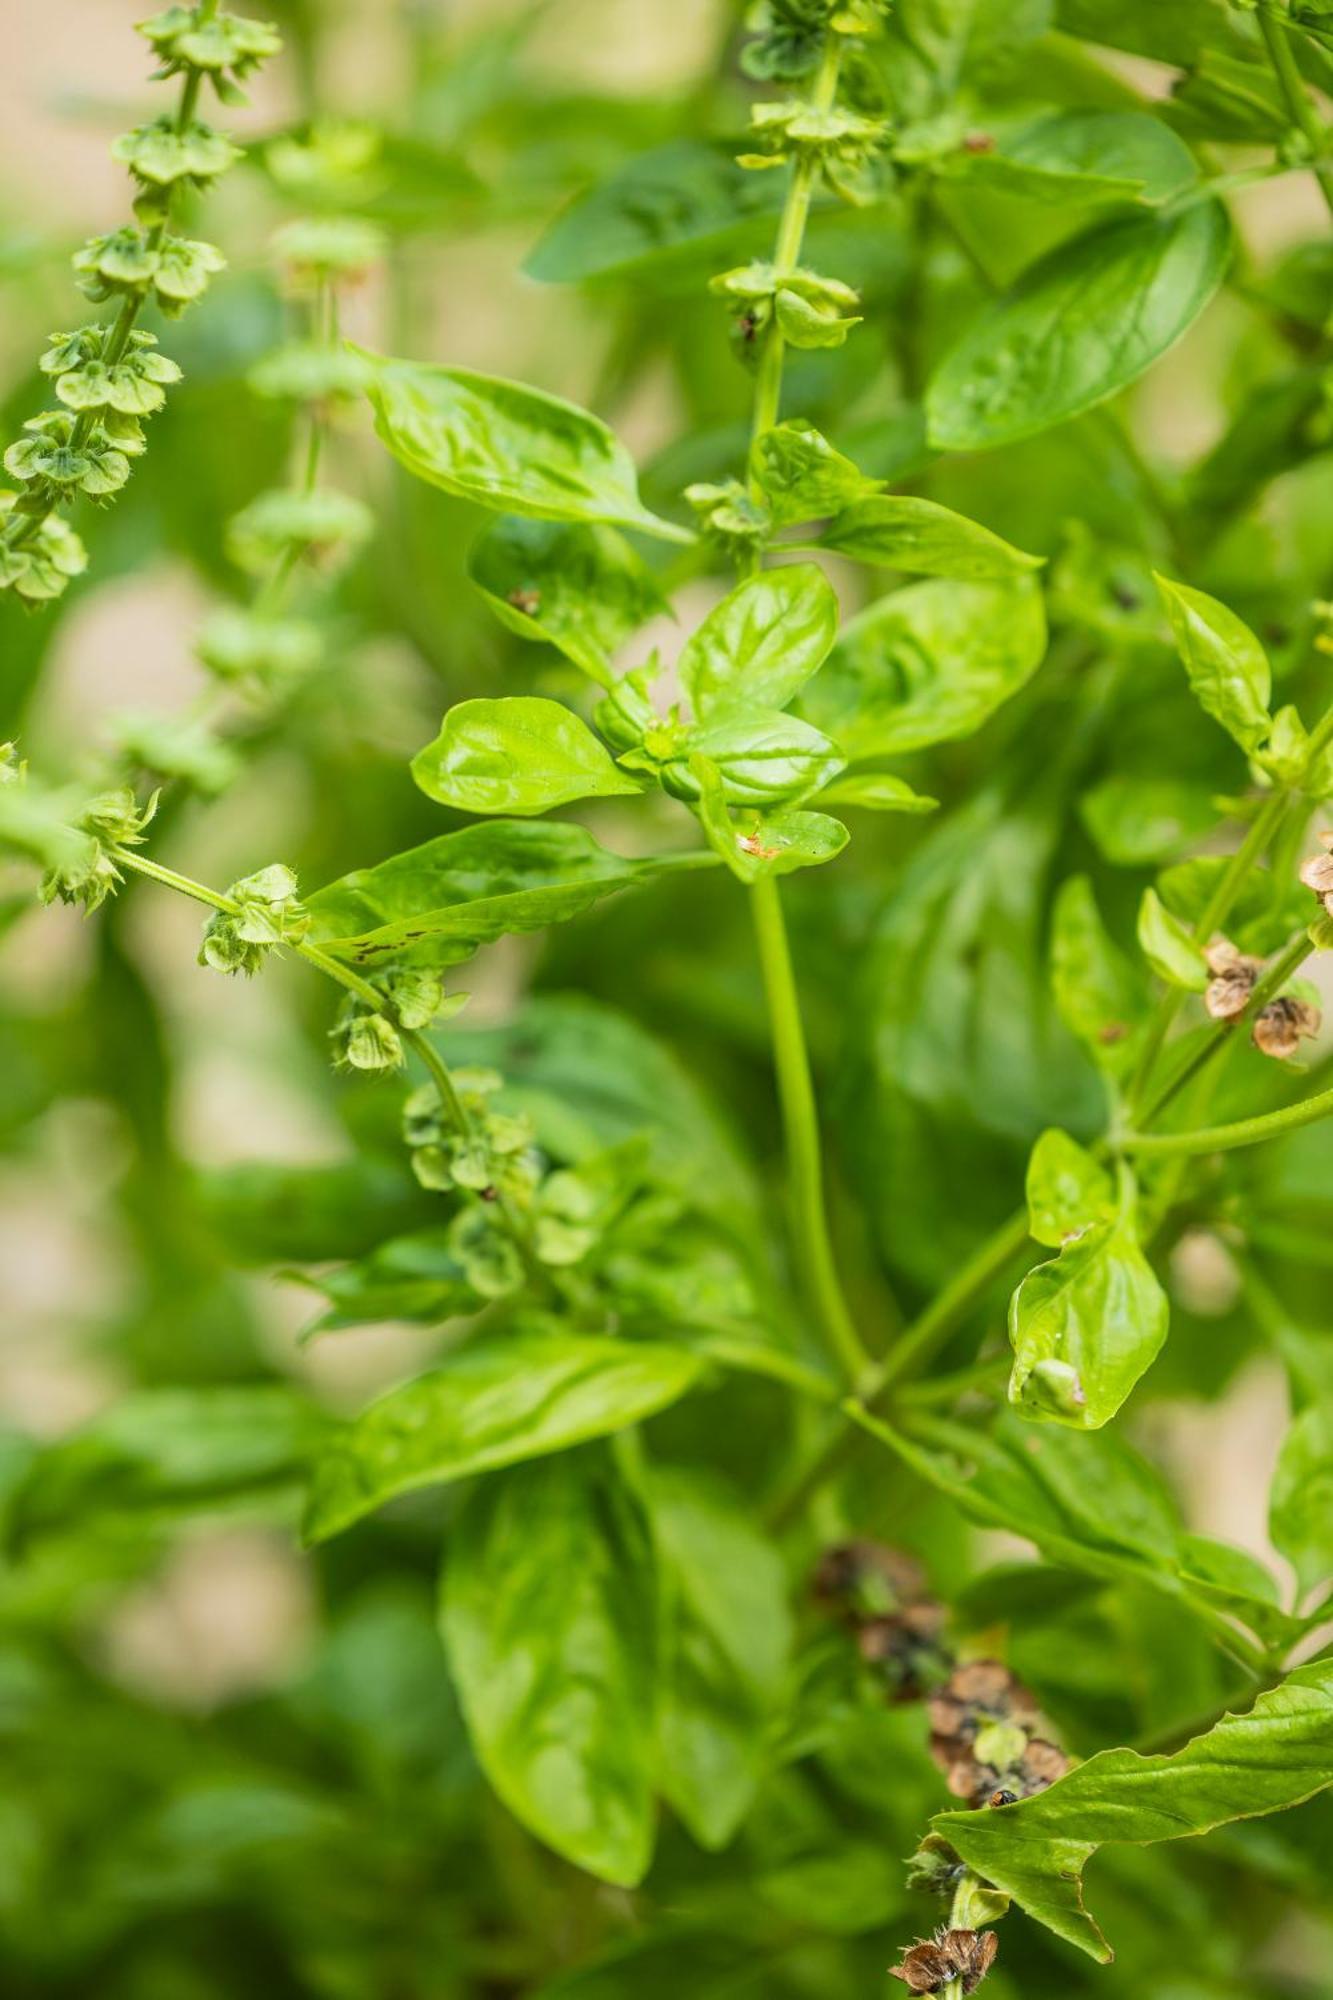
(1280, 1027)
(988, 1683)
(1234, 975)
(867, 1578)
(1042, 1763)
(1317, 873)
(932, 1963)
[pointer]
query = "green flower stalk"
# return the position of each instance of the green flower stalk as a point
(109, 376)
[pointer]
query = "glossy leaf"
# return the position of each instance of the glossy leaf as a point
(1227, 667)
(802, 477)
(581, 589)
(1274, 1755)
(549, 1614)
(520, 754)
(899, 531)
(728, 1639)
(928, 664)
(1085, 1327)
(504, 1397)
(763, 757)
(507, 447)
(1067, 1189)
(762, 643)
(755, 844)
(435, 904)
(1083, 323)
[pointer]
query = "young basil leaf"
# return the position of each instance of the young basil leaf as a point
(775, 843)
(549, 1613)
(1168, 946)
(507, 1396)
(762, 757)
(1067, 1189)
(1227, 667)
(728, 1637)
(1300, 1506)
(579, 588)
(801, 476)
(664, 215)
(1083, 156)
(507, 447)
(928, 664)
(520, 754)
(1099, 998)
(1083, 323)
(435, 904)
(166, 1454)
(1085, 1327)
(1276, 1754)
(876, 791)
(899, 531)
(762, 643)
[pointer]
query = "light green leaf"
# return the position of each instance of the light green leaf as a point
(1099, 998)
(802, 477)
(579, 588)
(728, 1641)
(928, 664)
(1084, 156)
(507, 1396)
(549, 1615)
(1300, 1506)
(1083, 323)
(899, 531)
(507, 447)
(1227, 667)
(762, 643)
(1085, 1327)
(520, 754)
(435, 904)
(763, 757)
(876, 791)
(1273, 1756)
(1067, 1189)
(1168, 946)
(776, 843)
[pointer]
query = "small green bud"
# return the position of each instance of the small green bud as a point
(269, 913)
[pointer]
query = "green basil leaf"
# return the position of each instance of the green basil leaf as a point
(1067, 1189)
(579, 588)
(1085, 1327)
(775, 843)
(1081, 324)
(435, 904)
(899, 531)
(504, 1397)
(762, 757)
(728, 1641)
(1083, 156)
(1227, 667)
(928, 664)
(802, 477)
(666, 214)
(876, 791)
(520, 754)
(1168, 946)
(1276, 1754)
(1096, 990)
(1300, 1513)
(1136, 819)
(507, 447)
(161, 1455)
(549, 1614)
(762, 643)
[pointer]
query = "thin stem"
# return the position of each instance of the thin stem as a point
(1298, 100)
(1265, 990)
(1227, 1138)
(800, 1120)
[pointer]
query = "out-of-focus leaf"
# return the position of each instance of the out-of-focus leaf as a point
(1300, 1514)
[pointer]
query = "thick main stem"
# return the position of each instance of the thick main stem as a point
(800, 1120)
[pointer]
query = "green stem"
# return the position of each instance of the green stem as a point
(1299, 103)
(1266, 989)
(800, 1121)
(1226, 1138)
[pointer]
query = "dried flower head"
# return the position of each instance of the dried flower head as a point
(1233, 981)
(1317, 873)
(989, 1738)
(1282, 1025)
(933, 1963)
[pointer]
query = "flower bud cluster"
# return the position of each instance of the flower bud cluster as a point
(367, 1037)
(87, 874)
(109, 376)
(267, 912)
